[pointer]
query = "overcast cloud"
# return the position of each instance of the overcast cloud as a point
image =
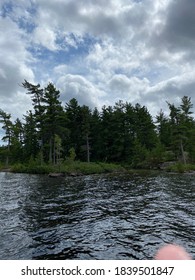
(98, 51)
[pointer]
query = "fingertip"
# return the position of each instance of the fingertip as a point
(172, 252)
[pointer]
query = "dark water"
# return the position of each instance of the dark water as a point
(95, 217)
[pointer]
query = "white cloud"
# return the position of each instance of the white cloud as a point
(129, 89)
(98, 51)
(45, 37)
(75, 86)
(61, 69)
(14, 58)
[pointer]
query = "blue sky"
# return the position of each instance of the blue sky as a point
(98, 51)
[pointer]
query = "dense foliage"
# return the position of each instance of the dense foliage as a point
(122, 133)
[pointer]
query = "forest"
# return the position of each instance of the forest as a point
(53, 134)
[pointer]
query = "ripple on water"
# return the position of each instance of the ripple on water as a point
(94, 217)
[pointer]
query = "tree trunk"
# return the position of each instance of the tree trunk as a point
(7, 161)
(50, 150)
(54, 151)
(8, 151)
(182, 152)
(88, 148)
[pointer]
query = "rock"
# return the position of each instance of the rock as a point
(75, 174)
(6, 170)
(166, 164)
(56, 175)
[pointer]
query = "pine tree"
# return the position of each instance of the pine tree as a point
(5, 119)
(74, 123)
(17, 141)
(144, 127)
(31, 142)
(53, 119)
(181, 125)
(96, 148)
(86, 130)
(36, 93)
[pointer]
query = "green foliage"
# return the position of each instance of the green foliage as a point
(169, 156)
(31, 168)
(122, 133)
(181, 168)
(111, 167)
(90, 168)
(156, 156)
(69, 168)
(1, 165)
(139, 156)
(72, 154)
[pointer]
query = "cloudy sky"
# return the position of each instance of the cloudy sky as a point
(98, 51)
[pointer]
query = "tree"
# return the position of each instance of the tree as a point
(37, 97)
(144, 127)
(85, 129)
(17, 141)
(185, 107)
(119, 131)
(53, 119)
(181, 125)
(107, 134)
(139, 155)
(186, 125)
(5, 119)
(57, 150)
(74, 122)
(130, 132)
(163, 129)
(31, 142)
(96, 147)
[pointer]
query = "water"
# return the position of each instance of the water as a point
(95, 217)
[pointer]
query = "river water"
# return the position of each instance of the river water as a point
(95, 217)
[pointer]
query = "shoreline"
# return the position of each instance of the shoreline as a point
(78, 168)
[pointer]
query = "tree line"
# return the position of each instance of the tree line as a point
(122, 133)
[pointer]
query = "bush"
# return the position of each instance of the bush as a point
(68, 167)
(180, 167)
(111, 167)
(19, 168)
(89, 168)
(32, 169)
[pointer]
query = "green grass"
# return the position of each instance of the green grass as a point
(32, 169)
(68, 168)
(88, 168)
(181, 168)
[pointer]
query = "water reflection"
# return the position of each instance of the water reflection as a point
(94, 217)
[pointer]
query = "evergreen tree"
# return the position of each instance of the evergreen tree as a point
(130, 132)
(186, 125)
(37, 97)
(53, 120)
(86, 130)
(73, 114)
(119, 133)
(95, 136)
(37, 93)
(107, 133)
(163, 129)
(145, 128)
(31, 142)
(17, 141)
(181, 125)
(5, 119)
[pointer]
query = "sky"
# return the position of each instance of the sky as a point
(99, 52)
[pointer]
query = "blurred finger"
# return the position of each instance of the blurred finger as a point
(172, 252)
